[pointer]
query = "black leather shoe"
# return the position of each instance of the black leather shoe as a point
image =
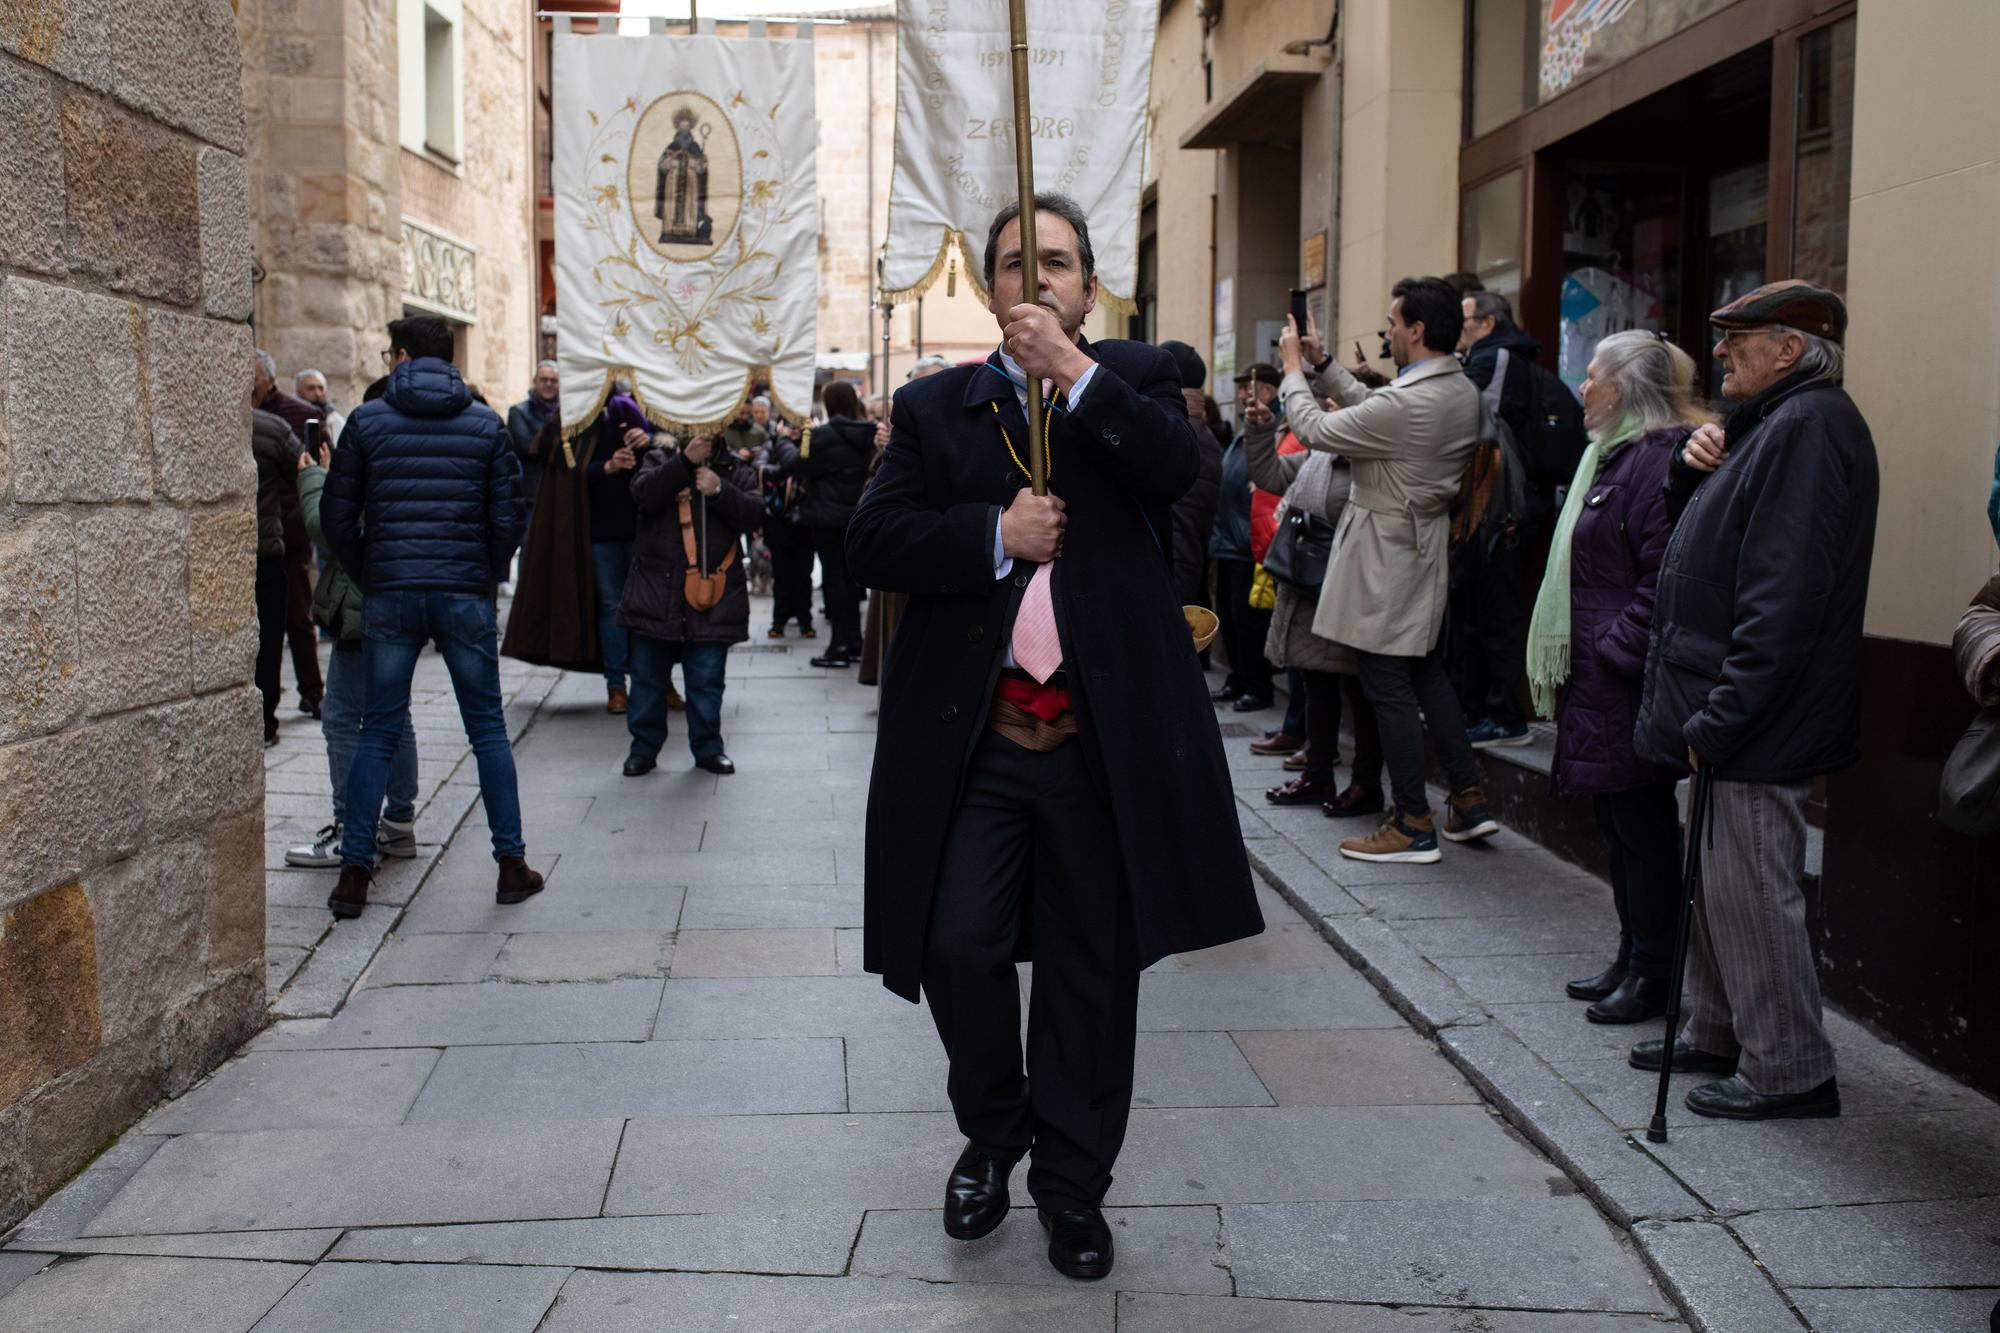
(1687, 1060)
(1228, 694)
(975, 1194)
(1252, 703)
(1079, 1242)
(834, 660)
(1597, 987)
(1733, 1099)
(638, 765)
(1636, 1000)
(716, 763)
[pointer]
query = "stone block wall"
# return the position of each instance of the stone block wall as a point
(131, 770)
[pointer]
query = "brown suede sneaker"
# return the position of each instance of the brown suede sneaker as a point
(351, 894)
(1409, 838)
(1466, 817)
(517, 882)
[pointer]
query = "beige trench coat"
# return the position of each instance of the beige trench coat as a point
(1408, 442)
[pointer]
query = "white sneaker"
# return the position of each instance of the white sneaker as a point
(393, 839)
(320, 854)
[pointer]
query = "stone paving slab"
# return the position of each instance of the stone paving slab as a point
(1945, 1243)
(1225, 1001)
(1814, 1163)
(303, 1247)
(815, 1242)
(1881, 1311)
(785, 1006)
(776, 952)
(424, 958)
(1140, 1312)
(770, 907)
(685, 1303)
(1158, 1249)
(67, 1212)
(17, 1267)
(488, 1013)
(297, 1090)
(290, 1179)
(601, 907)
(1560, 1257)
(398, 1298)
(608, 955)
(126, 1294)
(1386, 1067)
(600, 1080)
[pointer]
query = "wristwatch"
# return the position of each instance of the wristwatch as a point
(1319, 368)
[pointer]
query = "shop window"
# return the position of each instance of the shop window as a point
(1621, 247)
(1506, 41)
(1823, 155)
(1489, 233)
(431, 87)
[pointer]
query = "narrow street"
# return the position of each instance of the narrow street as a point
(662, 1095)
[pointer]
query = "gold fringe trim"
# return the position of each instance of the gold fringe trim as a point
(666, 423)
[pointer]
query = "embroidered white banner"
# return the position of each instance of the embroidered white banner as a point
(687, 223)
(1090, 75)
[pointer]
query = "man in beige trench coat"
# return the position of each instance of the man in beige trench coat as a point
(1384, 594)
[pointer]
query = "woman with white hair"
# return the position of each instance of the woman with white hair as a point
(1587, 643)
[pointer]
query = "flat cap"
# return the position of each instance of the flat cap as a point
(1794, 303)
(1194, 371)
(1261, 372)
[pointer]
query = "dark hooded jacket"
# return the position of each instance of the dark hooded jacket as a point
(1621, 537)
(1517, 394)
(276, 451)
(1755, 655)
(834, 469)
(655, 600)
(425, 490)
(1194, 513)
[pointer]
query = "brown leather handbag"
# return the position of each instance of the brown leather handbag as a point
(703, 591)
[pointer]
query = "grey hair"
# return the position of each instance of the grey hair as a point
(1493, 306)
(1063, 207)
(1654, 380)
(299, 380)
(1821, 359)
(268, 363)
(541, 366)
(761, 401)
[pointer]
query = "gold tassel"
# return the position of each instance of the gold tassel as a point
(951, 277)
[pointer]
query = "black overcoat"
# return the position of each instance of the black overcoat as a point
(926, 527)
(655, 602)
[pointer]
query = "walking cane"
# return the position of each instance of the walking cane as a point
(1697, 825)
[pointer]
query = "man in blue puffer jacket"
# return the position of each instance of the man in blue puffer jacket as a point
(423, 507)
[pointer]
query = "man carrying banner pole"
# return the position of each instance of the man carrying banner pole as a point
(1048, 781)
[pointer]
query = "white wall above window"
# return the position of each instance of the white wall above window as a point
(431, 59)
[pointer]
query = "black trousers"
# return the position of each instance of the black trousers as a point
(1643, 827)
(1032, 848)
(1489, 610)
(791, 548)
(299, 624)
(843, 598)
(1410, 693)
(1324, 691)
(1243, 629)
(272, 622)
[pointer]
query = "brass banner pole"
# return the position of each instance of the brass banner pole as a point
(1031, 287)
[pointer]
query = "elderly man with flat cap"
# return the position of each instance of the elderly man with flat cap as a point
(1754, 672)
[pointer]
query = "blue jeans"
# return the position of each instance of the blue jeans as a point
(394, 628)
(610, 561)
(702, 667)
(1295, 703)
(340, 723)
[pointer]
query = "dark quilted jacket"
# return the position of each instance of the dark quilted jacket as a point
(425, 491)
(1621, 537)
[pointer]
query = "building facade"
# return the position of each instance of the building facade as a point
(131, 777)
(391, 173)
(1636, 165)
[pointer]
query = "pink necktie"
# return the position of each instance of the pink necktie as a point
(1037, 647)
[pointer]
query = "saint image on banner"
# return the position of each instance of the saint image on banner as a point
(680, 200)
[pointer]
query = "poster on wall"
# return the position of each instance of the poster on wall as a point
(686, 224)
(1091, 69)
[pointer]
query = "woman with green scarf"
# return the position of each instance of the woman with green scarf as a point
(1587, 651)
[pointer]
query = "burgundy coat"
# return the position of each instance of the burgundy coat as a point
(1621, 537)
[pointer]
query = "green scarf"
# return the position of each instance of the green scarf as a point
(1548, 627)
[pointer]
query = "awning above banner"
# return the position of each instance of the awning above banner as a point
(686, 224)
(1090, 73)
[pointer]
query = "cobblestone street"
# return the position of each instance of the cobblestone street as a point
(661, 1095)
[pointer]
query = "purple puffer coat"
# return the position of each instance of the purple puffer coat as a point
(1621, 537)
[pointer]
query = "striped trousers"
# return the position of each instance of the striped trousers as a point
(1752, 988)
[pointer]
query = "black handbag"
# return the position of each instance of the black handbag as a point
(1301, 550)
(1969, 792)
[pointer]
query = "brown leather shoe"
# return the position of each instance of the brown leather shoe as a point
(1278, 743)
(615, 701)
(351, 894)
(1356, 800)
(517, 882)
(1296, 761)
(674, 700)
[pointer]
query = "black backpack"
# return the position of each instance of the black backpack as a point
(1554, 438)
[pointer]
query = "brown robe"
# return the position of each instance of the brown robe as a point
(554, 617)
